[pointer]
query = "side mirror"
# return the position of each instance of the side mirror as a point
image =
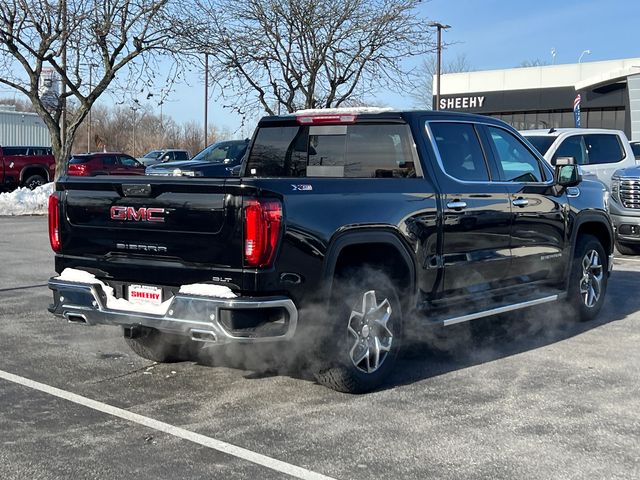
(567, 172)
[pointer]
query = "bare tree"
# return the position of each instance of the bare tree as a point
(536, 62)
(283, 55)
(50, 48)
(423, 95)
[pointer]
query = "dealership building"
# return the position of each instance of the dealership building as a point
(543, 97)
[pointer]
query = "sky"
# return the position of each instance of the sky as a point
(492, 34)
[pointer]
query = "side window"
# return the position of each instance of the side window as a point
(14, 151)
(109, 160)
(181, 156)
(460, 151)
(603, 148)
(515, 160)
(129, 162)
(572, 147)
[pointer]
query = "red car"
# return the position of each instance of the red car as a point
(91, 164)
(26, 166)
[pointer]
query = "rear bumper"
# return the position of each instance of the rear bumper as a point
(202, 318)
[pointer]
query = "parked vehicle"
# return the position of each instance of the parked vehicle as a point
(624, 208)
(599, 152)
(105, 163)
(217, 160)
(26, 166)
(346, 233)
(166, 155)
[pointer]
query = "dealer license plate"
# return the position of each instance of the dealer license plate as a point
(144, 294)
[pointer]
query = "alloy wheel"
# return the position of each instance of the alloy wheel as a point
(371, 335)
(591, 281)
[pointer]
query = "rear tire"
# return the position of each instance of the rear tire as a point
(627, 249)
(34, 181)
(589, 278)
(160, 347)
(364, 342)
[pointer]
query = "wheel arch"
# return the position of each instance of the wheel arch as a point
(384, 247)
(596, 224)
(34, 169)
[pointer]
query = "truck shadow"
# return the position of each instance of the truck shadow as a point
(497, 337)
(437, 351)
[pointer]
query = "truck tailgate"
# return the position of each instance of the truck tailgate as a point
(178, 220)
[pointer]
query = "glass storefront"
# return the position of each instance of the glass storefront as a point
(613, 118)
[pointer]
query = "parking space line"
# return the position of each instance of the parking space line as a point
(219, 445)
(24, 287)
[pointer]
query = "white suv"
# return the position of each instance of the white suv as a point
(600, 152)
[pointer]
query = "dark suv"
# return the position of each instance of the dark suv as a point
(221, 159)
(91, 164)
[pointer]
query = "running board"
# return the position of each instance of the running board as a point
(499, 310)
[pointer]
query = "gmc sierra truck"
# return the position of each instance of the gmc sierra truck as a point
(345, 232)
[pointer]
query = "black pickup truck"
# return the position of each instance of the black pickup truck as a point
(346, 230)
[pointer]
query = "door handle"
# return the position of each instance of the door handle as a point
(520, 202)
(456, 205)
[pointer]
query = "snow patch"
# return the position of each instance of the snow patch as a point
(207, 290)
(26, 202)
(343, 110)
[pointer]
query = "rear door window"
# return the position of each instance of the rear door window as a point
(460, 151)
(349, 151)
(181, 156)
(515, 161)
(603, 148)
(109, 160)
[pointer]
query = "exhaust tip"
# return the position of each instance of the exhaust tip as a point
(76, 318)
(203, 336)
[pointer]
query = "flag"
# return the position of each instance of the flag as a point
(576, 109)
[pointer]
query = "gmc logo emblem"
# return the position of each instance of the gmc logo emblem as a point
(142, 214)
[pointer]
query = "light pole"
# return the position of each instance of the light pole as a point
(206, 96)
(440, 27)
(584, 52)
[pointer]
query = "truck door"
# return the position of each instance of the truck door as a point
(538, 239)
(477, 211)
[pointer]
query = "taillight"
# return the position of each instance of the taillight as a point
(54, 222)
(262, 223)
(77, 169)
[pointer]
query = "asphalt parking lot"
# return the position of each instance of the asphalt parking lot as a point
(539, 398)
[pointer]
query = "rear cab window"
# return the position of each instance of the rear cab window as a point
(79, 159)
(354, 150)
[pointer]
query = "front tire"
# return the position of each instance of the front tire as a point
(589, 278)
(365, 339)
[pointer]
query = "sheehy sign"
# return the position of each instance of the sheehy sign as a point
(460, 103)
